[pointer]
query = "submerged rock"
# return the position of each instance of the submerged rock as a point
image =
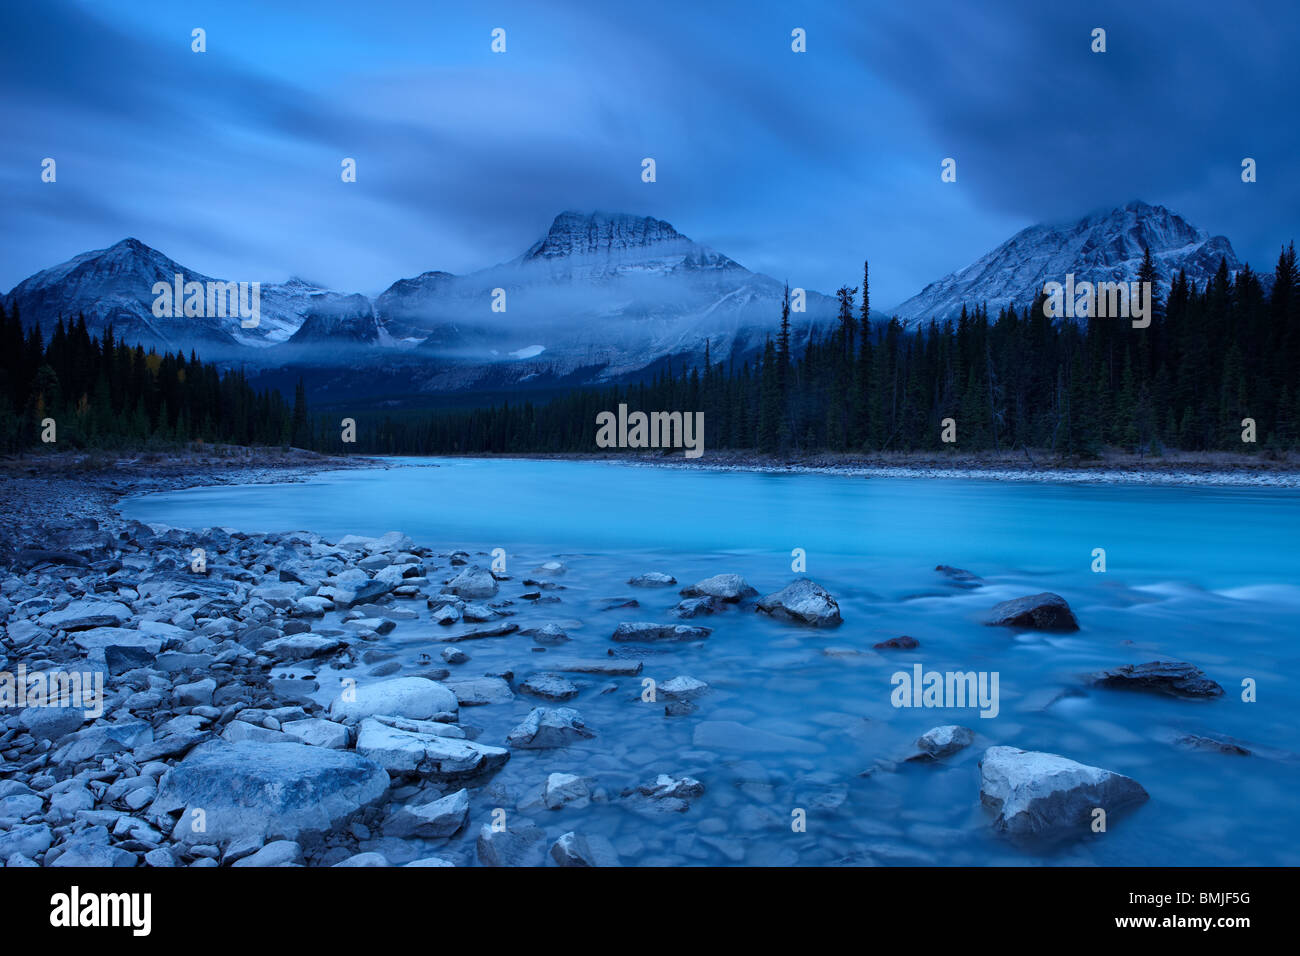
(1175, 678)
(1212, 745)
(549, 687)
(1036, 612)
(1048, 797)
(803, 602)
(903, 643)
(697, 607)
(725, 587)
(645, 632)
(653, 579)
(959, 577)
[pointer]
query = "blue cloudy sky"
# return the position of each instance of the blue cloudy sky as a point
(798, 165)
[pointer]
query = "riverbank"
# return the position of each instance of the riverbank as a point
(1113, 467)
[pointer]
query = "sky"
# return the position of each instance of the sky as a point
(799, 165)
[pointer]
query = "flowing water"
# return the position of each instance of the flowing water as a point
(1208, 575)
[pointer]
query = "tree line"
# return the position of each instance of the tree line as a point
(1211, 358)
(101, 392)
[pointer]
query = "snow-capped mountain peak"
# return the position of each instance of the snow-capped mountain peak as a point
(1100, 247)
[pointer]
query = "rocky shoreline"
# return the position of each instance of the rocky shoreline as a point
(219, 739)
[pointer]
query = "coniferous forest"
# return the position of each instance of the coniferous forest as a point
(1211, 357)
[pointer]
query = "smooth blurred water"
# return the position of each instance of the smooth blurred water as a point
(1206, 575)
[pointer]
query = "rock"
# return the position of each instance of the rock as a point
(411, 747)
(551, 569)
(83, 852)
(277, 853)
(546, 634)
(549, 687)
(273, 791)
(608, 667)
(697, 607)
(666, 787)
(431, 821)
(481, 690)
(28, 840)
(574, 850)
(680, 708)
(496, 630)
(430, 861)
(454, 655)
(904, 643)
(1211, 745)
(364, 859)
(1048, 797)
(119, 659)
(473, 582)
(297, 647)
(549, 727)
(413, 697)
(725, 587)
(196, 694)
(958, 577)
(645, 632)
(1175, 678)
(478, 613)
(683, 687)
(945, 741)
(317, 732)
(518, 845)
(1037, 612)
(101, 738)
(565, 789)
(803, 602)
(85, 614)
(348, 594)
(652, 579)
(52, 723)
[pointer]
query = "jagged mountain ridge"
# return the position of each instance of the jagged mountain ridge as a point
(1103, 246)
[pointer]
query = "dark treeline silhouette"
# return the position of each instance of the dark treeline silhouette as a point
(105, 393)
(1210, 358)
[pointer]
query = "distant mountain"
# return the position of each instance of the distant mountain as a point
(613, 291)
(1101, 247)
(114, 286)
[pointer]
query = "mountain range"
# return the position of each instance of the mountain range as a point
(600, 297)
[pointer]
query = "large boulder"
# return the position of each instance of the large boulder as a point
(1042, 796)
(415, 697)
(1175, 678)
(1035, 612)
(270, 791)
(803, 602)
(725, 587)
